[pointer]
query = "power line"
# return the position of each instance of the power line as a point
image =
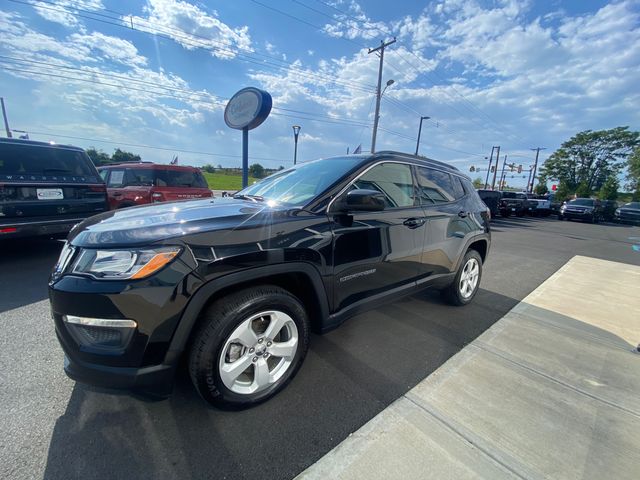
(137, 145)
(188, 38)
(187, 95)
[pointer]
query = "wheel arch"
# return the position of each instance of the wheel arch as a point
(481, 246)
(301, 279)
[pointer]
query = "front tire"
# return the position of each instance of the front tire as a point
(467, 280)
(249, 346)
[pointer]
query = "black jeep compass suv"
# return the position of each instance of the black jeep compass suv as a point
(237, 283)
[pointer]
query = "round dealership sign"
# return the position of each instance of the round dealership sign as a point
(247, 109)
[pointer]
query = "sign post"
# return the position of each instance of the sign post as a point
(246, 110)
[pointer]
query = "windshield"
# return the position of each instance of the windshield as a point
(298, 185)
(632, 205)
(582, 201)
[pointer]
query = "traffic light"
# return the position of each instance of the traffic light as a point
(493, 168)
(472, 169)
(519, 168)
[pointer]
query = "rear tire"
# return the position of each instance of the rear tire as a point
(467, 280)
(264, 329)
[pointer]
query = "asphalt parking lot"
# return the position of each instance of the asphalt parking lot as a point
(52, 428)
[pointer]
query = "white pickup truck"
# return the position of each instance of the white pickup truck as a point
(536, 205)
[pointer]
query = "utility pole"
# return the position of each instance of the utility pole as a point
(504, 164)
(495, 172)
(486, 180)
(529, 184)
(419, 132)
(4, 115)
(382, 46)
(535, 166)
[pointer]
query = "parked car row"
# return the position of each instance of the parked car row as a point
(46, 189)
(506, 203)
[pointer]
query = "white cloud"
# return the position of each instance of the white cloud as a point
(193, 27)
(111, 48)
(100, 73)
(354, 23)
(65, 11)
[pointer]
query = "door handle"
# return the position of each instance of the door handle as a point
(462, 214)
(413, 222)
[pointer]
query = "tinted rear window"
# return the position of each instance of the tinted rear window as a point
(434, 186)
(180, 178)
(43, 161)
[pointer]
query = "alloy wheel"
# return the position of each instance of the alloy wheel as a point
(258, 352)
(469, 278)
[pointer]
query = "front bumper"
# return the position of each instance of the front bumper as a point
(586, 215)
(142, 359)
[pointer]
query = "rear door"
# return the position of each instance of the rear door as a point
(41, 181)
(449, 223)
(377, 252)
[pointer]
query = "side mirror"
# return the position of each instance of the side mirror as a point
(363, 200)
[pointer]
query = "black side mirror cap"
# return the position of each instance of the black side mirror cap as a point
(363, 200)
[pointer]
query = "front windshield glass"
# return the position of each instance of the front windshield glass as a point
(582, 201)
(632, 205)
(298, 185)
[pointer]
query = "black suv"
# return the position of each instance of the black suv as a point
(237, 283)
(585, 209)
(46, 189)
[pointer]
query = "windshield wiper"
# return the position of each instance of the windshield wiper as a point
(254, 198)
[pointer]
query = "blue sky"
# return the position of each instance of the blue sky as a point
(518, 74)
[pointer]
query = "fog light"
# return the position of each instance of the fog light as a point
(100, 335)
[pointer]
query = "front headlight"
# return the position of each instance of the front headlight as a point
(123, 264)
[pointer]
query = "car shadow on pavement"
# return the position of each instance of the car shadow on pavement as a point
(25, 265)
(349, 376)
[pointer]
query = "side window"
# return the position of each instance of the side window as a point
(140, 177)
(434, 186)
(103, 174)
(468, 186)
(116, 179)
(394, 180)
(458, 189)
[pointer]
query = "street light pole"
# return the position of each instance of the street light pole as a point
(419, 132)
(296, 131)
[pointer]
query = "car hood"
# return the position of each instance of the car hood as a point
(163, 221)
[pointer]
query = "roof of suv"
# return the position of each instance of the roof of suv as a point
(151, 165)
(429, 162)
(34, 143)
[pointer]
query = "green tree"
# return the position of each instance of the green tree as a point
(208, 168)
(562, 192)
(541, 188)
(609, 190)
(120, 156)
(583, 190)
(633, 172)
(478, 183)
(590, 157)
(256, 170)
(98, 157)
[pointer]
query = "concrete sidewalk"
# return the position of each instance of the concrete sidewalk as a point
(552, 390)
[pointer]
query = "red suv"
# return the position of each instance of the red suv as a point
(138, 183)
